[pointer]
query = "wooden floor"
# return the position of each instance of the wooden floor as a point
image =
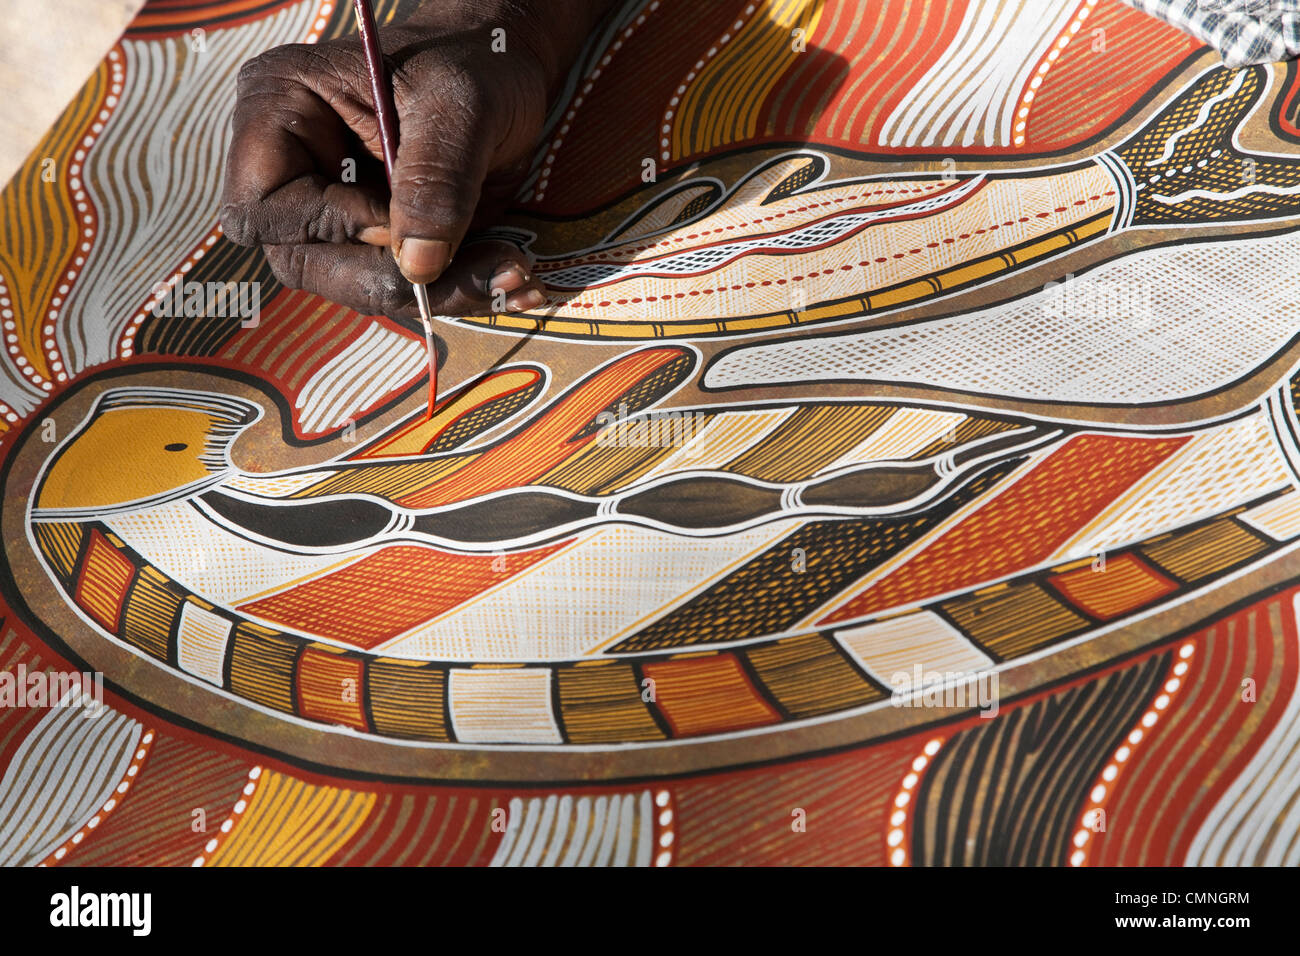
(47, 49)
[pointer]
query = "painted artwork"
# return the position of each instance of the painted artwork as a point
(902, 469)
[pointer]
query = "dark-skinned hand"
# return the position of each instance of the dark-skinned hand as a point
(304, 174)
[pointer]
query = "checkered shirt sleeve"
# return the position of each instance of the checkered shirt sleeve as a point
(1243, 31)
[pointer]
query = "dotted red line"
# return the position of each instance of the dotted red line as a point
(671, 240)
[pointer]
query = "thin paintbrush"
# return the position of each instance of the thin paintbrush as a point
(381, 92)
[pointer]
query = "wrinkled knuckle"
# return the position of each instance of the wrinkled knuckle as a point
(386, 294)
(332, 220)
(238, 223)
(251, 72)
(261, 68)
(334, 68)
(288, 265)
(434, 191)
(325, 224)
(274, 69)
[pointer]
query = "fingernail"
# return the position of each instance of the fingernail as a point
(507, 279)
(375, 236)
(423, 260)
(525, 301)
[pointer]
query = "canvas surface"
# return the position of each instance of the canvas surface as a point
(902, 469)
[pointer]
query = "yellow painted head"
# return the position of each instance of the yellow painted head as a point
(139, 447)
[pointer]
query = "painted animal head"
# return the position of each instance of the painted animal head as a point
(139, 447)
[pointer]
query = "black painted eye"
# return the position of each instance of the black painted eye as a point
(176, 446)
